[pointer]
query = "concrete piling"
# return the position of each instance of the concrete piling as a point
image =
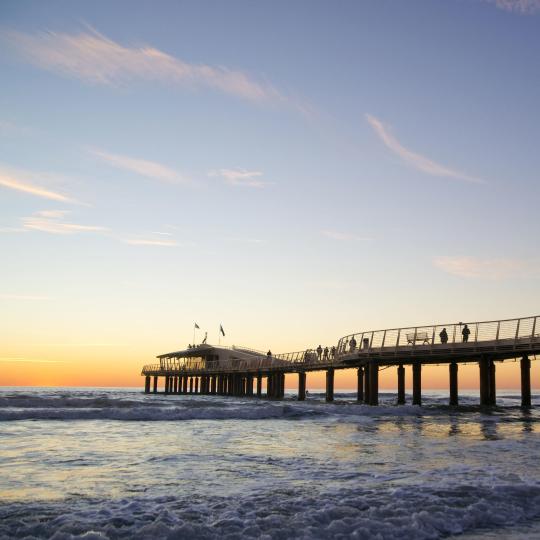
(417, 383)
(525, 382)
(330, 384)
(453, 371)
(360, 384)
(401, 385)
(374, 384)
(301, 386)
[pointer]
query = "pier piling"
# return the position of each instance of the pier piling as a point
(373, 384)
(360, 384)
(417, 383)
(367, 393)
(301, 386)
(147, 384)
(259, 385)
(525, 382)
(330, 384)
(401, 385)
(453, 371)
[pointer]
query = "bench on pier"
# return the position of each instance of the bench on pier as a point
(418, 336)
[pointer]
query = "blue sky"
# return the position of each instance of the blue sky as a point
(295, 171)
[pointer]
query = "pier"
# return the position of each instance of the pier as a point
(240, 371)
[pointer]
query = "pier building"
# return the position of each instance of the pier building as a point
(240, 371)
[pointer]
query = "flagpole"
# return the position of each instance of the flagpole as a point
(194, 334)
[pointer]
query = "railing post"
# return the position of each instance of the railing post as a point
(517, 331)
(433, 336)
(476, 333)
(533, 329)
(383, 339)
(397, 340)
(498, 331)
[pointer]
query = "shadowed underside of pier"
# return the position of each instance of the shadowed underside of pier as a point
(195, 371)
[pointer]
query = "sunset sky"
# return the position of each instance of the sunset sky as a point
(295, 171)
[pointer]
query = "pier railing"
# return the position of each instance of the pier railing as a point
(508, 332)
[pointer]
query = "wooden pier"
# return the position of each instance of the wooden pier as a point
(209, 370)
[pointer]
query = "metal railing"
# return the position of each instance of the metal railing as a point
(503, 333)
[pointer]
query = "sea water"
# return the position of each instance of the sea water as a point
(116, 463)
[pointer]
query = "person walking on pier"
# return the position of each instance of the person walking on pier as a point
(332, 352)
(325, 354)
(444, 336)
(465, 333)
(319, 352)
(352, 344)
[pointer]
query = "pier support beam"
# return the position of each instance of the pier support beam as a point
(167, 384)
(175, 385)
(330, 384)
(374, 384)
(417, 383)
(525, 382)
(196, 385)
(259, 385)
(367, 392)
(249, 385)
(147, 384)
(191, 385)
(360, 385)
(155, 383)
(301, 386)
(453, 371)
(185, 386)
(487, 382)
(401, 385)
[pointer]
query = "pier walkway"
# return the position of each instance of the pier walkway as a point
(232, 371)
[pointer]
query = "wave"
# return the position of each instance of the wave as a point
(418, 511)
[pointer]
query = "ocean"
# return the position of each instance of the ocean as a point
(99, 463)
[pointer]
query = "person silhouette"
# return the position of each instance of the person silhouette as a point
(352, 344)
(465, 333)
(319, 352)
(444, 336)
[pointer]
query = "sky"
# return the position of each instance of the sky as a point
(295, 171)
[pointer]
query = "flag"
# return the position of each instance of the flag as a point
(221, 330)
(197, 326)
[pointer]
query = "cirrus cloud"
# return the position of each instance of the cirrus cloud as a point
(418, 161)
(94, 58)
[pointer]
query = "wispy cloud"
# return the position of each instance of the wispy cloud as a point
(52, 221)
(418, 161)
(518, 6)
(150, 242)
(142, 167)
(19, 182)
(94, 58)
(493, 268)
(240, 177)
(344, 236)
(22, 297)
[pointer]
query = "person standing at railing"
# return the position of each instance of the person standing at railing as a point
(465, 333)
(325, 354)
(333, 352)
(269, 354)
(444, 336)
(319, 352)
(352, 344)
